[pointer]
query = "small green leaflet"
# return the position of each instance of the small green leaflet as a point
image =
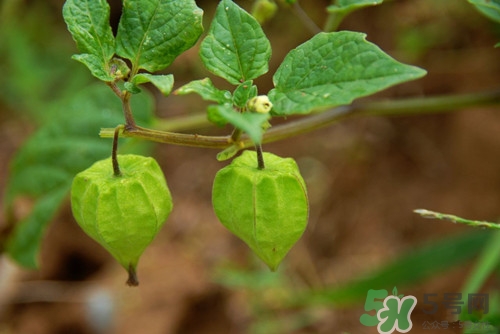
(152, 33)
(235, 48)
(251, 123)
(88, 22)
(342, 8)
(206, 89)
(244, 92)
(489, 8)
(44, 167)
(333, 69)
(228, 153)
(164, 83)
(345, 7)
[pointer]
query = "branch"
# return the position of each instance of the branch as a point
(414, 106)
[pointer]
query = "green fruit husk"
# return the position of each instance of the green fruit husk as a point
(122, 213)
(266, 208)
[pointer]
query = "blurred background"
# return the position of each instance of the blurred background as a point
(365, 176)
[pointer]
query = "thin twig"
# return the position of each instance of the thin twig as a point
(455, 219)
(308, 22)
(114, 87)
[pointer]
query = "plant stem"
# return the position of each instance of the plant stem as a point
(236, 135)
(406, 107)
(132, 276)
(182, 139)
(127, 111)
(125, 97)
(260, 158)
(487, 262)
(455, 219)
(114, 152)
(114, 87)
(333, 21)
(306, 20)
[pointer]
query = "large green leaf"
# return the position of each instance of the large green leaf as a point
(235, 48)
(152, 33)
(490, 8)
(44, 167)
(333, 69)
(88, 22)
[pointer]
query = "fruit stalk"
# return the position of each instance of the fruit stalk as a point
(132, 276)
(260, 158)
(114, 152)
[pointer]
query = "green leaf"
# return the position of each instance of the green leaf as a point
(44, 167)
(251, 123)
(484, 268)
(489, 8)
(235, 48)
(164, 83)
(344, 7)
(244, 92)
(24, 243)
(228, 153)
(206, 89)
(88, 22)
(412, 267)
(130, 87)
(215, 116)
(151, 34)
(333, 69)
(97, 67)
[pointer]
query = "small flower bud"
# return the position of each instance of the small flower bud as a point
(260, 104)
